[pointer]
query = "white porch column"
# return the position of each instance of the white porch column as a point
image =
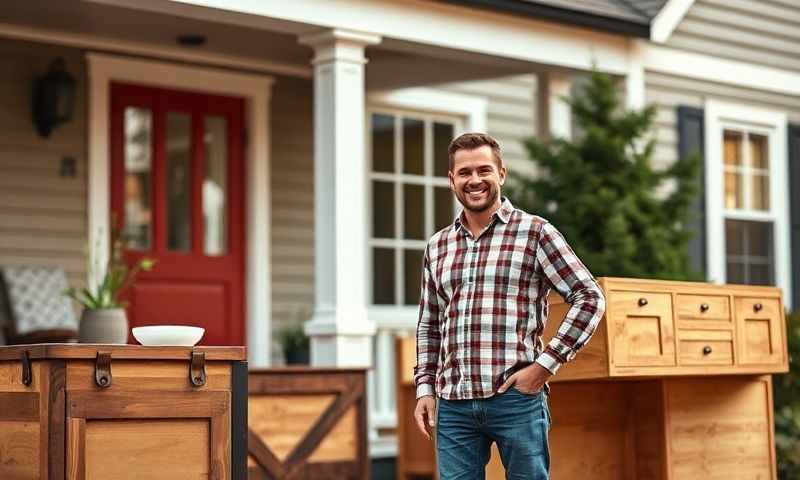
(341, 334)
(553, 116)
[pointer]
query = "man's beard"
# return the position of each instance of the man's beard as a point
(491, 198)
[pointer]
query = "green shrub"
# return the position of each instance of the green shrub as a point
(787, 405)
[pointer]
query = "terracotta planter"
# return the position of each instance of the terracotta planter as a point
(104, 326)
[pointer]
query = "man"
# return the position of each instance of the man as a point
(485, 283)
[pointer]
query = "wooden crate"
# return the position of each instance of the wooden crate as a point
(122, 411)
(307, 423)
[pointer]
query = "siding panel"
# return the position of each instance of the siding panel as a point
(42, 215)
(760, 32)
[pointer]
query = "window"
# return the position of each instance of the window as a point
(411, 198)
(746, 195)
(749, 244)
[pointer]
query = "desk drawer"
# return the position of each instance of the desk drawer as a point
(705, 347)
(703, 307)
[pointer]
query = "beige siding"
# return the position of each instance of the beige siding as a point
(765, 32)
(42, 215)
(511, 103)
(667, 92)
(292, 183)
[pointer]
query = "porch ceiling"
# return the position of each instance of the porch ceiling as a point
(393, 63)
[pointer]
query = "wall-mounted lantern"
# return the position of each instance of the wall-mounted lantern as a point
(53, 98)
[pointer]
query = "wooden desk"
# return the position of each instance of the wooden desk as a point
(122, 411)
(674, 384)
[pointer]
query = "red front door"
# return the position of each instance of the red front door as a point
(178, 193)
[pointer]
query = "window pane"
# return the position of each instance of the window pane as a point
(215, 185)
(414, 212)
(442, 136)
(443, 202)
(412, 261)
(759, 155)
(733, 191)
(383, 210)
(179, 181)
(383, 276)
(138, 228)
(760, 192)
(749, 252)
(413, 146)
(382, 142)
(732, 148)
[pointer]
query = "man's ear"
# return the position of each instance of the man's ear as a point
(450, 178)
(503, 174)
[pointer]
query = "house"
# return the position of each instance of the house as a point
(285, 161)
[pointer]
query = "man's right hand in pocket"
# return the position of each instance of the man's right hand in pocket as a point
(425, 414)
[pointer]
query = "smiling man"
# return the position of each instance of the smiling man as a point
(485, 283)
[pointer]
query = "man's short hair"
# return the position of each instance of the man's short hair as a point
(471, 141)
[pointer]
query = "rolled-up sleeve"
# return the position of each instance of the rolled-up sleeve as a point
(558, 264)
(428, 333)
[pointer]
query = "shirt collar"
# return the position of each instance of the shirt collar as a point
(503, 213)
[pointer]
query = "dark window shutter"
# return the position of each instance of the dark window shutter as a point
(691, 139)
(794, 210)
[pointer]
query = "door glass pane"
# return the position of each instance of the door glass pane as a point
(733, 191)
(382, 142)
(383, 276)
(442, 136)
(413, 146)
(760, 192)
(412, 264)
(179, 181)
(414, 212)
(138, 129)
(383, 210)
(443, 202)
(215, 186)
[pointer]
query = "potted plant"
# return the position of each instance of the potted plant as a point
(295, 344)
(103, 319)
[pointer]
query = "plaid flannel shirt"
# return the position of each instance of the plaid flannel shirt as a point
(483, 304)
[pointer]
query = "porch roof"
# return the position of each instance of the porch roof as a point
(626, 17)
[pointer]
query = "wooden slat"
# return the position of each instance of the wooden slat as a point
(19, 406)
(76, 451)
(119, 352)
(111, 404)
(149, 375)
(290, 383)
(53, 429)
(263, 455)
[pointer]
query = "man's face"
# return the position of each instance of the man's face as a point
(476, 178)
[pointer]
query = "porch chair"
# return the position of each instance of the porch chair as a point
(34, 307)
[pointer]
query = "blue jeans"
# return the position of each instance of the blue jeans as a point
(518, 422)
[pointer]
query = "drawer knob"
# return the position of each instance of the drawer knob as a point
(707, 350)
(703, 307)
(757, 307)
(642, 302)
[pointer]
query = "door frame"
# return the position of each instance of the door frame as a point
(256, 90)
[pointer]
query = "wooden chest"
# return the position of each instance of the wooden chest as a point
(122, 412)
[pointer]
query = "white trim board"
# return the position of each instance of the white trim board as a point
(149, 50)
(256, 89)
(668, 19)
(418, 22)
(434, 101)
(700, 66)
(721, 115)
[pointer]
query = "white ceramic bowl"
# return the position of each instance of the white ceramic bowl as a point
(172, 335)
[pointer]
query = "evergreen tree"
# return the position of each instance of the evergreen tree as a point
(601, 189)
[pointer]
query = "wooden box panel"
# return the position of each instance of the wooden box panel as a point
(641, 329)
(761, 324)
(720, 428)
(703, 307)
(307, 423)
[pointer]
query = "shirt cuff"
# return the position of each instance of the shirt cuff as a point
(547, 360)
(424, 389)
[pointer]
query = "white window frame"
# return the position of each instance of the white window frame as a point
(720, 116)
(428, 102)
